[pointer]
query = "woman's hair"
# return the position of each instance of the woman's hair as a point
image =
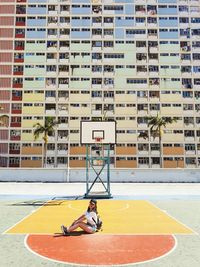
(95, 207)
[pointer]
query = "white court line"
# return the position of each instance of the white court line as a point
(5, 232)
(72, 208)
(112, 234)
(193, 232)
(120, 209)
(91, 265)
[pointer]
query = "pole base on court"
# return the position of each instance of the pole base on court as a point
(98, 195)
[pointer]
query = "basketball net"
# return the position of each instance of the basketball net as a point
(98, 140)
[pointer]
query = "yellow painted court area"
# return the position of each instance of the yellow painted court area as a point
(119, 217)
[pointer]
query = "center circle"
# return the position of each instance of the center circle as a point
(101, 249)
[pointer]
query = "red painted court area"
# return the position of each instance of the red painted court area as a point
(101, 249)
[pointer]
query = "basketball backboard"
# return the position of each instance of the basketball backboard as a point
(93, 131)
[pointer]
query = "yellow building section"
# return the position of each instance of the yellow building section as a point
(119, 217)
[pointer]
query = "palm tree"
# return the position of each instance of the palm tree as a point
(47, 130)
(2, 119)
(156, 124)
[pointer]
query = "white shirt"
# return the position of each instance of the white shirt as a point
(91, 217)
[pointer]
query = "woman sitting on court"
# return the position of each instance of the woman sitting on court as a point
(87, 221)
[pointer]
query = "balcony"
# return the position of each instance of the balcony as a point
(64, 10)
(141, 48)
(20, 21)
(15, 124)
(189, 139)
(62, 152)
(52, 21)
(52, 60)
(14, 164)
(63, 109)
(63, 72)
(190, 152)
(96, 10)
(140, 10)
(13, 151)
(52, 10)
(96, 85)
(50, 112)
(19, 47)
(63, 137)
(18, 70)
(20, 9)
(52, 36)
(19, 57)
(16, 111)
(194, 10)
(141, 58)
(18, 73)
(17, 85)
(63, 98)
(50, 152)
(63, 85)
(142, 70)
(20, 35)
(16, 96)
(15, 137)
(152, 35)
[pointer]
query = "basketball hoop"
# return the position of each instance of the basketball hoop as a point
(98, 140)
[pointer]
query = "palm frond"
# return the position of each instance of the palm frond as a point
(46, 130)
(143, 135)
(39, 129)
(3, 120)
(4, 117)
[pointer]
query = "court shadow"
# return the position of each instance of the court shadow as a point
(75, 233)
(55, 201)
(39, 203)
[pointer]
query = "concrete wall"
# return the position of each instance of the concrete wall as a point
(119, 175)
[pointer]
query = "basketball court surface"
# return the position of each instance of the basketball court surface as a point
(138, 229)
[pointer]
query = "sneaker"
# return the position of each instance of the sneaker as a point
(64, 230)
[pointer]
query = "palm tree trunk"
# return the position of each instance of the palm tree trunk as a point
(160, 144)
(45, 155)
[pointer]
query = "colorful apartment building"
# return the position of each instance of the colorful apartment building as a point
(79, 60)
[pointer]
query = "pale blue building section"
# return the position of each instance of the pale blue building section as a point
(35, 34)
(119, 33)
(120, 11)
(36, 10)
(129, 9)
(169, 34)
(124, 22)
(80, 10)
(167, 11)
(80, 34)
(168, 22)
(80, 22)
(36, 22)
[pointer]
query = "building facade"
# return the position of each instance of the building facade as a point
(94, 59)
